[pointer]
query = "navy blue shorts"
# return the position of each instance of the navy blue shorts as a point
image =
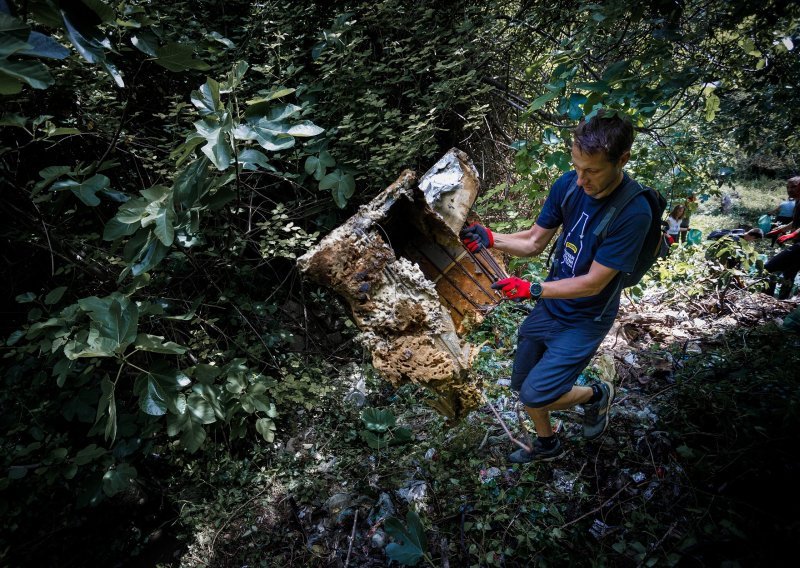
(551, 355)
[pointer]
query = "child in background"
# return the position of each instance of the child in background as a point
(674, 228)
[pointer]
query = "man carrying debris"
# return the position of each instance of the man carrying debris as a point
(577, 303)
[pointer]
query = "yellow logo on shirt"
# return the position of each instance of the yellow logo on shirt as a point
(572, 247)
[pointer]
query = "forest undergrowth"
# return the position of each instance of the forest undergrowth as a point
(693, 470)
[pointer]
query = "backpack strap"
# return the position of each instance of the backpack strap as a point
(558, 249)
(619, 200)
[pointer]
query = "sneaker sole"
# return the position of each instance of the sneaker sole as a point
(612, 392)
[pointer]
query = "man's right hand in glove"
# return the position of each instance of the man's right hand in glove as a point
(476, 237)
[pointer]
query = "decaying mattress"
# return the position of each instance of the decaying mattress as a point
(411, 286)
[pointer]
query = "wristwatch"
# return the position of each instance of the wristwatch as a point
(536, 290)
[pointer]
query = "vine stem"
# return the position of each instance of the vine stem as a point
(503, 424)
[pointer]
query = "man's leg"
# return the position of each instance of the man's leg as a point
(541, 416)
(549, 384)
(786, 262)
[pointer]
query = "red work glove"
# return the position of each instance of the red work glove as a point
(513, 288)
(476, 236)
(773, 232)
(789, 236)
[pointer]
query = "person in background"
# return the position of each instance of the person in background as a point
(785, 212)
(688, 209)
(674, 224)
(736, 234)
(786, 262)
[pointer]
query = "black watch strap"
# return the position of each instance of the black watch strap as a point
(536, 290)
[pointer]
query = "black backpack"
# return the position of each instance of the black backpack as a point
(655, 244)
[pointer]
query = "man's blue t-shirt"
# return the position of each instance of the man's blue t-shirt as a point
(618, 250)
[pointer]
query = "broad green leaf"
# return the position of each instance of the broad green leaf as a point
(146, 42)
(118, 478)
(205, 374)
(206, 98)
(108, 405)
(236, 383)
(17, 472)
(44, 46)
(192, 183)
(262, 108)
(25, 298)
(116, 229)
(15, 337)
(234, 77)
(218, 149)
(280, 92)
(151, 254)
(14, 119)
(87, 38)
(49, 175)
(411, 544)
(222, 39)
(373, 440)
(252, 159)
(539, 102)
(10, 45)
(269, 135)
(9, 86)
(378, 420)
(312, 165)
(86, 190)
(186, 150)
(94, 346)
(55, 295)
(326, 159)
(304, 129)
(117, 318)
(103, 11)
(89, 454)
(192, 433)
(266, 428)
(201, 408)
(560, 159)
(614, 70)
(156, 344)
(342, 186)
(179, 57)
(163, 229)
(33, 73)
(282, 112)
(13, 27)
(712, 106)
(152, 398)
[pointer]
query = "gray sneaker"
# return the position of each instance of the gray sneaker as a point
(539, 454)
(595, 416)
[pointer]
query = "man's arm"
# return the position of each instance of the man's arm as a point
(525, 243)
(590, 284)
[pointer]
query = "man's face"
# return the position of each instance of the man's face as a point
(596, 175)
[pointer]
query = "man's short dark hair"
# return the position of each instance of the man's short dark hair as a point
(609, 132)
